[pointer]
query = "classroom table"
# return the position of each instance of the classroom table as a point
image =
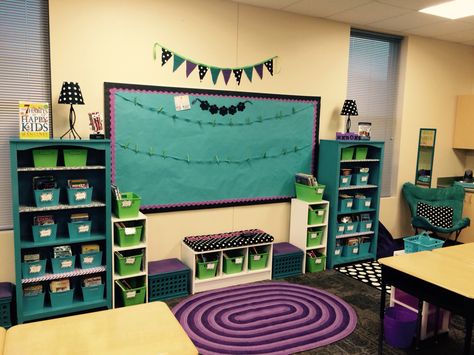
(464, 252)
(439, 278)
(142, 329)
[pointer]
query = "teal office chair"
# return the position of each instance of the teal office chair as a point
(438, 210)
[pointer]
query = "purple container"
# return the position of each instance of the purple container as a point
(399, 327)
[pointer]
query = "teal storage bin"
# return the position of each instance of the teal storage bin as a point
(421, 242)
(61, 299)
(65, 264)
(47, 197)
(33, 269)
(341, 228)
(91, 260)
(362, 203)
(345, 180)
(93, 293)
(350, 250)
(345, 204)
(80, 229)
(351, 227)
(75, 157)
(364, 248)
(360, 179)
(365, 226)
(337, 255)
(33, 303)
(44, 233)
(79, 196)
(45, 158)
(347, 153)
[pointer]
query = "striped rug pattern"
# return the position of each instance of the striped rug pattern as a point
(264, 318)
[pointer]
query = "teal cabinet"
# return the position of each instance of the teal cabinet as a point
(60, 202)
(352, 173)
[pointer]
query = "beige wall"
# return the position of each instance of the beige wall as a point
(108, 40)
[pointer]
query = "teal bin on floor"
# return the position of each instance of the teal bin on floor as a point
(61, 299)
(337, 254)
(33, 303)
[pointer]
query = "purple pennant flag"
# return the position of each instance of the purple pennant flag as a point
(226, 73)
(259, 70)
(189, 67)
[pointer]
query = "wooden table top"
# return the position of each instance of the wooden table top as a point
(464, 252)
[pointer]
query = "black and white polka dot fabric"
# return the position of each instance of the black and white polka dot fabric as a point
(439, 216)
(165, 56)
(227, 240)
(369, 273)
(238, 75)
(70, 94)
(269, 65)
(202, 71)
(349, 108)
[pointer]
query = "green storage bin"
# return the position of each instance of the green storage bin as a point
(315, 264)
(45, 158)
(309, 193)
(233, 262)
(64, 264)
(314, 237)
(258, 261)
(79, 229)
(82, 196)
(46, 197)
(361, 153)
(128, 205)
(128, 262)
(207, 269)
(132, 296)
(347, 153)
(93, 293)
(91, 260)
(316, 216)
(75, 157)
(44, 233)
(33, 303)
(128, 236)
(61, 299)
(33, 269)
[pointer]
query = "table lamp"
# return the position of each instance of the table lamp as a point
(71, 94)
(349, 108)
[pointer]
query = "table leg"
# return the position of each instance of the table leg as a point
(467, 339)
(418, 324)
(382, 313)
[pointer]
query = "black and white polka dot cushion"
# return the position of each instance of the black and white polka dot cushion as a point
(439, 216)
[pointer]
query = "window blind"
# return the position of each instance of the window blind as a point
(373, 83)
(25, 76)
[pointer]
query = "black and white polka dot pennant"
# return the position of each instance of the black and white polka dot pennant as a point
(238, 75)
(165, 56)
(269, 66)
(202, 71)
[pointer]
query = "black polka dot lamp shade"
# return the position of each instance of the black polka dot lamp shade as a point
(71, 94)
(349, 108)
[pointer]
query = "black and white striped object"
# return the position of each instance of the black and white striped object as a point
(227, 240)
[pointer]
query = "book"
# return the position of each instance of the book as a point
(92, 281)
(78, 184)
(43, 220)
(60, 285)
(34, 120)
(89, 248)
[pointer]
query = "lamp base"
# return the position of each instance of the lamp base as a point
(97, 136)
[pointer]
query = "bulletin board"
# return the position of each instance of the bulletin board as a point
(181, 148)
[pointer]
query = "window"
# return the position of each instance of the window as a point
(25, 76)
(373, 83)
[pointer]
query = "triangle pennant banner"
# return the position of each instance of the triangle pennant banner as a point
(165, 56)
(259, 70)
(177, 62)
(238, 75)
(269, 65)
(226, 73)
(190, 67)
(249, 71)
(202, 71)
(215, 74)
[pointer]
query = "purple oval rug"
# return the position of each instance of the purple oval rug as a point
(264, 318)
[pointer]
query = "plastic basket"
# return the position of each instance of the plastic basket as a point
(350, 227)
(421, 242)
(258, 261)
(287, 263)
(316, 216)
(336, 256)
(91, 260)
(399, 326)
(33, 269)
(345, 204)
(361, 153)
(45, 158)
(309, 193)
(128, 236)
(128, 263)
(134, 295)
(364, 248)
(79, 196)
(33, 303)
(341, 227)
(349, 250)
(345, 180)
(93, 293)
(167, 278)
(206, 269)
(365, 226)
(314, 237)
(61, 299)
(347, 153)
(75, 157)
(79, 229)
(128, 205)
(64, 264)
(362, 203)
(360, 179)
(47, 197)
(315, 264)
(44, 233)
(233, 262)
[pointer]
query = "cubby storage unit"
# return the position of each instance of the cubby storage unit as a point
(248, 257)
(354, 206)
(309, 227)
(32, 158)
(129, 260)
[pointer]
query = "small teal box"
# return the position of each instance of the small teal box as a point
(64, 264)
(47, 197)
(341, 227)
(79, 229)
(81, 196)
(61, 299)
(33, 303)
(345, 204)
(337, 253)
(93, 293)
(345, 180)
(351, 227)
(90, 260)
(33, 269)
(362, 203)
(365, 226)
(350, 250)
(364, 248)
(44, 233)
(360, 179)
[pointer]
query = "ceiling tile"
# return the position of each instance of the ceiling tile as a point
(271, 4)
(368, 13)
(324, 8)
(407, 21)
(441, 28)
(412, 4)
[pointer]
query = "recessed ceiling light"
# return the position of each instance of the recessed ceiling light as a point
(451, 9)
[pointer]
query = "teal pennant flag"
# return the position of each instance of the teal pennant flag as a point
(249, 71)
(215, 74)
(177, 62)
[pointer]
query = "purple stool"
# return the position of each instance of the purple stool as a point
(287, 260)
(167, 278)
(5, 304)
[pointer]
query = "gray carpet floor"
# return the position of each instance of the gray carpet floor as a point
(365, 300)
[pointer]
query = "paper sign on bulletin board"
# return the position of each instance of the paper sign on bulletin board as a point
(183, 148)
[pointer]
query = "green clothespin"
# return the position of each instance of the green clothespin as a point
(163, 154)
(217, 159)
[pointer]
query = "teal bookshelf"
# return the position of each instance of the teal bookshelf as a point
(354, 198)
(96, 171)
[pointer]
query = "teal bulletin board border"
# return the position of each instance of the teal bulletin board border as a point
(230, 148)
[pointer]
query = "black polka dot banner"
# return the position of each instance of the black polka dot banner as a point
(202, 71)
(238, 75)
(165, 56)
(269, 66)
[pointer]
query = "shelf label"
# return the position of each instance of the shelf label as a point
(337, 252)
(313, 235)
(340, 229)
(126, 203)
(318, 261)
(320, 190)
(66, 264)
(79, 196)
(320, 212)
(368, 225)
(364, 178)
(367, 203)
(349, 204)
(257, 257)
(349, 228)
(88, 260)
(210, 266)
(345, 180)
(355, 250)
(130, 294)
(46, 196)
(238, 260)
(130, 260)
(83, 228)
(45, 233)
(34, 269)
(130, 230)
